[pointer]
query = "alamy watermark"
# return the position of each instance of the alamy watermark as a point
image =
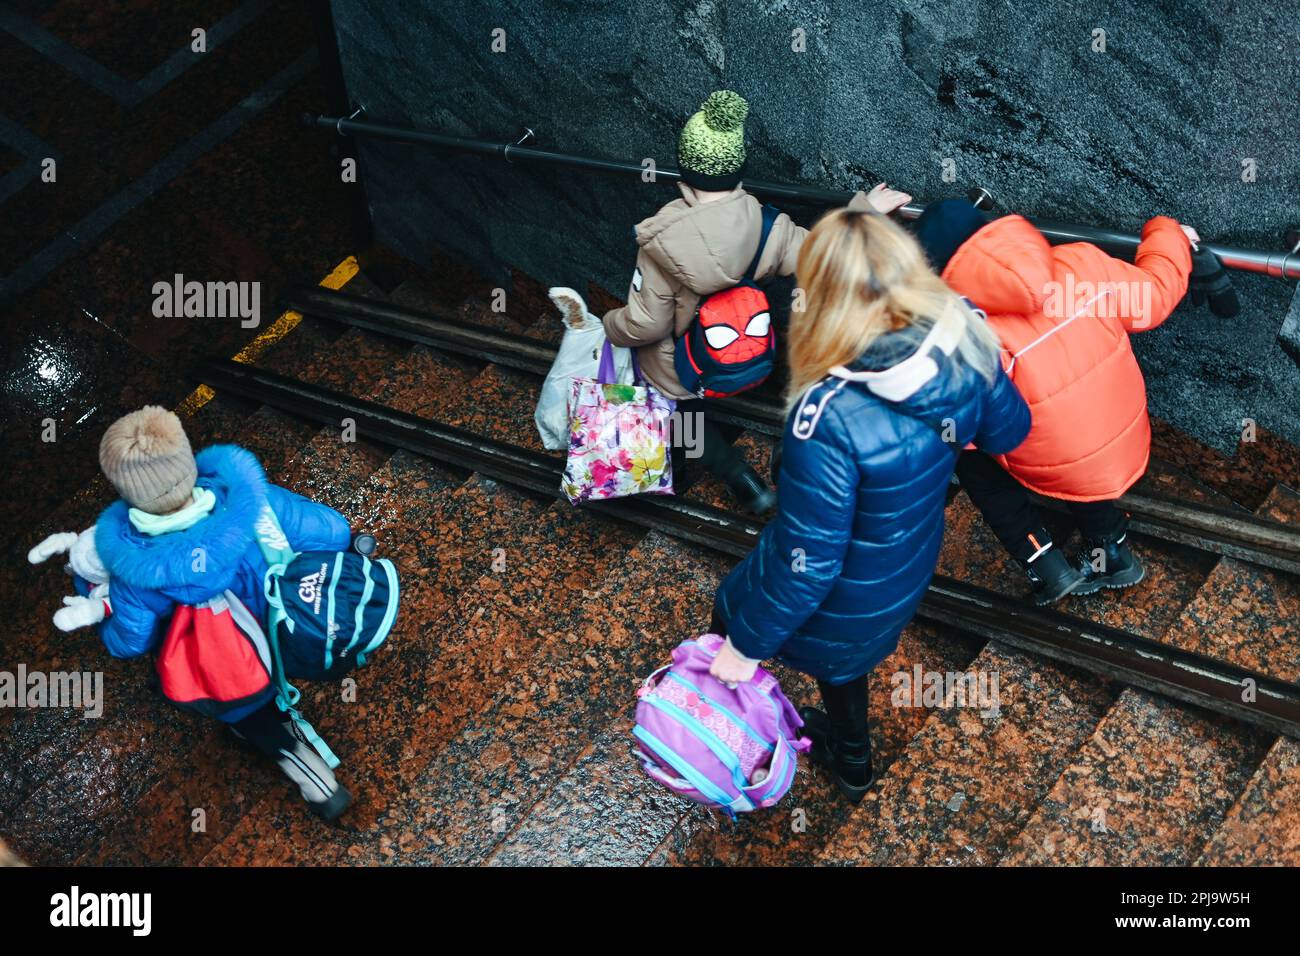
(132, 911)
(976, 689)
(208, 300)
(688, 432)
(1071, 299)
(71, 690)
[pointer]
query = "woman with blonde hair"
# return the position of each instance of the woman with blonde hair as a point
(891, 376)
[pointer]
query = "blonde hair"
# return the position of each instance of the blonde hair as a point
(862, 276)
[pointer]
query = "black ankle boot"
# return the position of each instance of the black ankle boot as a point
(1050, 575)
(277, 736)
(1109, 563)
(752, 492)
(849, 764)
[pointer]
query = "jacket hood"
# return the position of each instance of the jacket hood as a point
(1003, 268)
(915, 371)
(166, 562)
(706, 246)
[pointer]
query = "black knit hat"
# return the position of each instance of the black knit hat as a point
(944, 226)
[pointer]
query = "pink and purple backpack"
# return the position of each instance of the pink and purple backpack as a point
(731, 748)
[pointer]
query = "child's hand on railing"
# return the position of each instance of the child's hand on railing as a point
(885, 200)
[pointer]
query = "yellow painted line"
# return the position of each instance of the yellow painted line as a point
(286, 323)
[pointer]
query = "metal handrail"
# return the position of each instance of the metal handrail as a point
(1281, 264)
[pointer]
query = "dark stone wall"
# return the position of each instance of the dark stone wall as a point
(1011, 93)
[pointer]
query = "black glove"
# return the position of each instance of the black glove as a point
(364, 544)
(1210, 281)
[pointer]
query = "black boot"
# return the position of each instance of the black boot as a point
(1109, 563)
(751, 491)
(849, 764)
(276, 735)
(720, 458)
(1051, 576)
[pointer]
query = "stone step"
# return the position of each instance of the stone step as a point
(499, 598)
(1261, 829)
(1247, 477)
(604, 812)
(790, 834)
(1143, 790)
(485, 780)
(1157, 778)
(1246, 614)
(485, 634)
(967, 783)
(496, 402)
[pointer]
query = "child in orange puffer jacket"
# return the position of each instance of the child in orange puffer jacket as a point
(1064, 315)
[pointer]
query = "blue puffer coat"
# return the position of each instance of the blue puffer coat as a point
(840, 570)
(149, 576)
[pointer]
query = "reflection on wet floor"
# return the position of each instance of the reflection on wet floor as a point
(44, 380)
(81, 344)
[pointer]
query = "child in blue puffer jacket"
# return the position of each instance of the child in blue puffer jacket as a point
(891, 376)
(183, 534)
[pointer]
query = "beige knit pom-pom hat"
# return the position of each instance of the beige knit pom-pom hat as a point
(146, 456)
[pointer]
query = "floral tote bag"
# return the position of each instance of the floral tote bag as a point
(619, 437)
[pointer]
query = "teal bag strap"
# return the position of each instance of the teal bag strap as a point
(275, 548)
(271, 538)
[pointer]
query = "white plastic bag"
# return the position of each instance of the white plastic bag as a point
(579, 355)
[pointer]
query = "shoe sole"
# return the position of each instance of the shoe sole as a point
(757, 505)
(334, 807)
(1118, 584)
(1042, 601)
(851, 793)
(854, 795)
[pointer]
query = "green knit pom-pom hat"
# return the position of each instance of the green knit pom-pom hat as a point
(711, 149)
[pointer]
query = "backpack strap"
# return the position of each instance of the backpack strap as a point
(770, 213)
(275, 548)
(271, 538)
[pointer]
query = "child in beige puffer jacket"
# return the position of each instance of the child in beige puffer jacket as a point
(699, 244)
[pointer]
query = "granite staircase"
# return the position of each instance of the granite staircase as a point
(494, 726)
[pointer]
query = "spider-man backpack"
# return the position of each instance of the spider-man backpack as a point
(730, 346)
